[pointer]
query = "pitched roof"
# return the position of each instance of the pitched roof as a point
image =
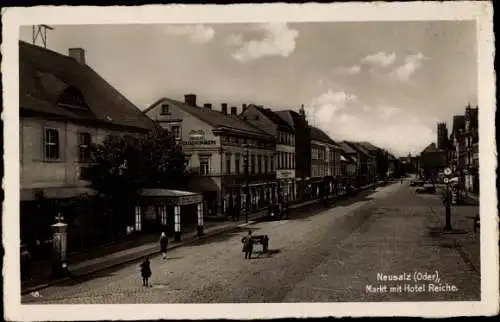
(274, 117)
(368, 146)
(346, 147)
(45, 75)
(289, 116)
(358, 147)
(213, 118)
(430, 148)
(319, 135)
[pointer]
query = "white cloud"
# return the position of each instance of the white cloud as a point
(278, 40)
(380, 59)
(324, 107)
(388, 111)
(412, 63)
(196, 33)
(351, 70)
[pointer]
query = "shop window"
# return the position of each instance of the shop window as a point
(138, 218)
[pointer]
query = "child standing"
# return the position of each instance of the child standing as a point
(145, 271)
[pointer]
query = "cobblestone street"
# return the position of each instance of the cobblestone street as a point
(318, 255)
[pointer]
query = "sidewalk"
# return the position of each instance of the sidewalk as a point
(99, 259)
(462, 237)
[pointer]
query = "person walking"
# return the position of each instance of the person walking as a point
(163, 245)
(247, 245)
(146, 271)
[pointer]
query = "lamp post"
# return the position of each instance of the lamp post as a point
(59, 247)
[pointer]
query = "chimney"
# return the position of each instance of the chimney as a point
(224, 108)
(190, 99)
(244, 107)
(77, 54)
(207, 105)
(234, 110)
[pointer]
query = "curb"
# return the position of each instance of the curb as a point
(138, 257)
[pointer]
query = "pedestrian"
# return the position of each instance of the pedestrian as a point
(247, 245)
(145, 271)
(163, 245)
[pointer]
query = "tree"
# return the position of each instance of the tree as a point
(382, 159)
(124, 164)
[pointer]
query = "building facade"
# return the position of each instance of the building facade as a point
(302, 141)
(226, 156)
(325, 165)
(64, 108)
(284, 135)
(442, 136)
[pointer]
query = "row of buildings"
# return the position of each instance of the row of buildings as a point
(458, 150)
(236, 157)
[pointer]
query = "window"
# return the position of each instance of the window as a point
(51, 144)
(204, 166)
(252, 164)
(162, 211)
(84, 142)
(259, 164)
(138, 218)
(265, 164)
(165, 109)
(176, 131)
(272, 163)
(228, 163)
(237, 163)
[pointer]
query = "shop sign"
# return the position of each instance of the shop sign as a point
(285, 174)
(197, 137)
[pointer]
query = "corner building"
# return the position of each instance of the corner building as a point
(224, 154)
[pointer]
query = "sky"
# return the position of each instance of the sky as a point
(388, 83)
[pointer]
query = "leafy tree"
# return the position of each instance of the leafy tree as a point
(382, 158)
(125, 164)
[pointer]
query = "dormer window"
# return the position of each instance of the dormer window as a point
(165, 109)
(72, 98)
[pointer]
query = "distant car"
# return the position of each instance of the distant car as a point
(426, 188)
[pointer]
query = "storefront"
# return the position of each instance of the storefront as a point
(287, 185)
(167, 210)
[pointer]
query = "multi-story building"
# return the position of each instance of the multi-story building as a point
(366, 172)
(471, 133)
(302, 148)
(225, 155)
(372, 161)
(442, 136)
(325, 164)
(64, 107)
(351, 164)
(284, 134)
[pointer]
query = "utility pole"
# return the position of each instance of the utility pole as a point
(40, 31)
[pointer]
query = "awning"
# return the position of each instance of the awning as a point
(56, 192)
(200, 184)
(173, 197)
